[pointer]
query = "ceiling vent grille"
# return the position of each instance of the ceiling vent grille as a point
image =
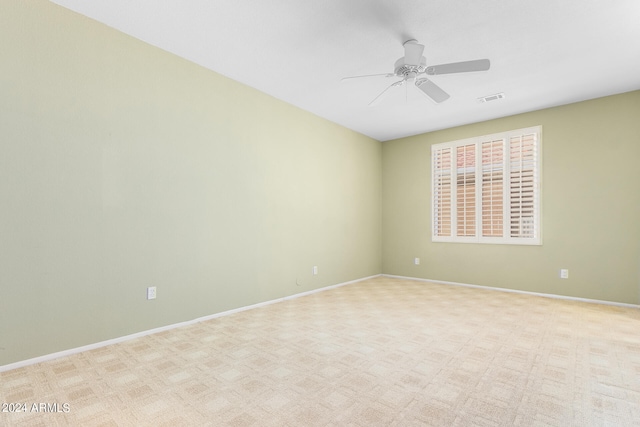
(493, 97)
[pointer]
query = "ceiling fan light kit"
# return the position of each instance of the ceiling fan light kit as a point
(412, 69)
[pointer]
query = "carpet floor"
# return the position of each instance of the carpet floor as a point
(380, 352)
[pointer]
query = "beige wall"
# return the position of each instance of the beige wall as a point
(123, 166)
(590, 206)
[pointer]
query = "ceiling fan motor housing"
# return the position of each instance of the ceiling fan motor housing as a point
(403, 69)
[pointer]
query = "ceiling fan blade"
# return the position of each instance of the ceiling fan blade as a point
(413, 52)
(344, 79)
(384, 93)
(432, 90)
(459, 67)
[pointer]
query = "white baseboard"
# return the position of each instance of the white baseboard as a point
(69, 352)
(515, 291)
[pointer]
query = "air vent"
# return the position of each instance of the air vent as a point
(493, 97)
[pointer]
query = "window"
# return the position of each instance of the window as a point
(487, 189)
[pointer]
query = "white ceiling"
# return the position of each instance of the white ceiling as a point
(543, 53)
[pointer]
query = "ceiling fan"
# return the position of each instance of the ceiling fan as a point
(412, 69)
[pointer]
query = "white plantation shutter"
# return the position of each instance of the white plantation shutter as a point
(522, 183)
(493, 188)
(466, 190)
(442, 192)
(487, 189)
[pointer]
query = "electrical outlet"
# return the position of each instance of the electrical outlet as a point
(151, 292)
(564, 273)
(315, 270)
(416, 261)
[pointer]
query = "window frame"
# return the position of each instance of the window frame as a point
(478, 171)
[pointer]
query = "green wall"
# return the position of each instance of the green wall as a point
(590, 206)
(123, 166)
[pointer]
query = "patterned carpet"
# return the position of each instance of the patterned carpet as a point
(383, 351)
